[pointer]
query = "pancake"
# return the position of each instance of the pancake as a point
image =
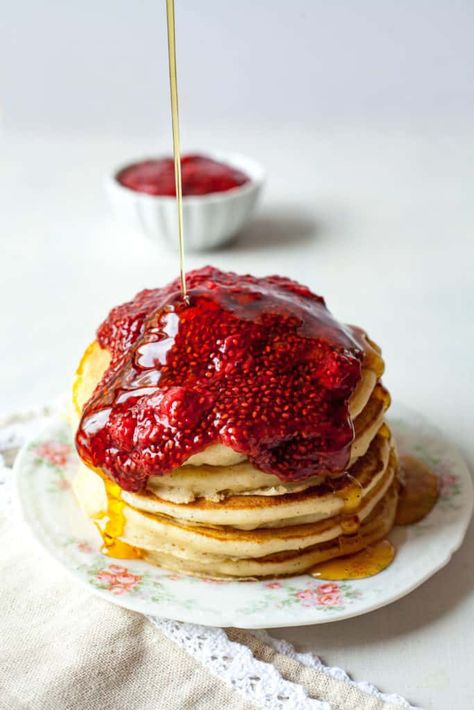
(262, 553)
(218, 515)
(253, 511)
(374, 528)
(188, 483)
(162, 533)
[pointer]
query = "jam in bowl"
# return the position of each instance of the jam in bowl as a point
(200, 175)
(220, 192)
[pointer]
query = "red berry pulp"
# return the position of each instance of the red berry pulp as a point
(257, 364)
(199, 176)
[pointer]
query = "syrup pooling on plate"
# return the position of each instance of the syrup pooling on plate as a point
(419, 491)
(366, 563)
(256, 364)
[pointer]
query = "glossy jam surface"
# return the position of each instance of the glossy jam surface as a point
(256, 364)
(200, 176)
(366, 563)
(419, 491)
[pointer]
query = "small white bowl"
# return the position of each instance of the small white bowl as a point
(209, 220)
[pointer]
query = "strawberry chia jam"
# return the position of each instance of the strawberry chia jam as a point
(199, 176)
(257, 364)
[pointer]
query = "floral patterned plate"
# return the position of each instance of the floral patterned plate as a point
(47, 464)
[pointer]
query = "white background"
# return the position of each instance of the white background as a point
(101, 66)
(362, 113)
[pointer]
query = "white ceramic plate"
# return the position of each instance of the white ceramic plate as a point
(46, 465)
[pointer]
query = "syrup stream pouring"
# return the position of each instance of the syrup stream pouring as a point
(176, 146)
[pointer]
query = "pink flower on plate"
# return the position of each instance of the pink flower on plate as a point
(105, 576)
(118, 579)
(125, 584)
(118, 589)
(118, 569)
(334, 599)
(327, 594)
(305, 594)
(53, 452)
(447, 483)
(85, 547)
(272, 585)
(328, 588)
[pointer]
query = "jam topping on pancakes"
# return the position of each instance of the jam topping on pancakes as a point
(256, 364)
(200, 176)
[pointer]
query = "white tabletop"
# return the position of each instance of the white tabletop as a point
(378, 221)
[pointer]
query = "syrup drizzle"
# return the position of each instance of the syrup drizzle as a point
(351, 494)
(176, 143)
(111, 524)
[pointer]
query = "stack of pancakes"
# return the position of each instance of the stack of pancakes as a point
(219, 516)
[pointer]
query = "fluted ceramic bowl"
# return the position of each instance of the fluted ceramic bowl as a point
(209, 220)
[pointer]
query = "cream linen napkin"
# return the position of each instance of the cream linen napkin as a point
(62, 648)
